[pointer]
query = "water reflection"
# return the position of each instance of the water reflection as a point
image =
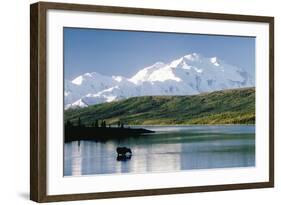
(76, 165)
(169, 149)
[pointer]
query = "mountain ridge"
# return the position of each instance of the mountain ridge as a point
(188, 75)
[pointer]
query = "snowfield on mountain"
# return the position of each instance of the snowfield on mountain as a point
(189, 75)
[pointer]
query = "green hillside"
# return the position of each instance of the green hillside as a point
(235, 106)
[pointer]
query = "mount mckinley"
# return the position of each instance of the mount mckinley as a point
(189, 75)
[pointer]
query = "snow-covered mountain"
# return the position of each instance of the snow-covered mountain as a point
(188, 75)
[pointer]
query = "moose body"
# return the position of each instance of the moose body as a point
(123, 153)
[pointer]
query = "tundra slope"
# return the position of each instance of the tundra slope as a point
(236, 106)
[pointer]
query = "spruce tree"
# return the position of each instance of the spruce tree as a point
(79, 122)
(97, 123)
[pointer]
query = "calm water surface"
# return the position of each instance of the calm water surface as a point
(171, 148)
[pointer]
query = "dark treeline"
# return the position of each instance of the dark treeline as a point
(95, 124)
(99, 130)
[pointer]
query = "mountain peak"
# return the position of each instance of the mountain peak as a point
(215, 61)
(183, 61)
(144, 73)
(158, 64)
(118, 78)
(78, 80)
(192, 56)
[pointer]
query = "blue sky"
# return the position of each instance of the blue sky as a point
(112, 52)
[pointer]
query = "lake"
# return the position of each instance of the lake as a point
(169, 149)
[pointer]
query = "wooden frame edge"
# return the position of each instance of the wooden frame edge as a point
(155, 192)
(271, 101)
(153, 12)
(37, 102)
(38, 174)
(34, 102)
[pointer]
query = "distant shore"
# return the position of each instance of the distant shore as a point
(178, 125)
(102, 133)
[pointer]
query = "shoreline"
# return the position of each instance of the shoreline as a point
(102, 133)
(179, 125)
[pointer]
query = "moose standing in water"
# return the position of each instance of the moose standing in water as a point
(123, 153)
